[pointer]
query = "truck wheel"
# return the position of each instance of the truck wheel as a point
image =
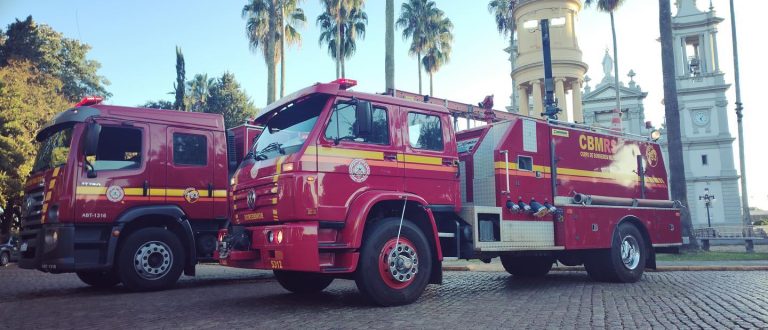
(99, 279)
(389, 275)
(624, 262)
(150, 259)
(301, 282)
(527, 266)
(5, 258)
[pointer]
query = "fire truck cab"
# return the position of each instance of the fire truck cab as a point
(378, 189)
(128, 195)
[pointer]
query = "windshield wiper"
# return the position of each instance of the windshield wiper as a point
(270, 147)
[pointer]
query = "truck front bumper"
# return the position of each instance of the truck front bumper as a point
(291, 246)
(62, 248)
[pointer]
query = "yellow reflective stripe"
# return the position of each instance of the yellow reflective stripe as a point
(56, 171)
(157, 192)
(220, 193)
(51, 184)
(278, 168)
(351, 153)
(274, 201)
(174, 192)
(134, 191)
(48, 196)
(83, 190)
(513, 166)
(423, 159)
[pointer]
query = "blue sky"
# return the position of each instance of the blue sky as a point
(135, 43)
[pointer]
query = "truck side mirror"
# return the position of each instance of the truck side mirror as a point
(91, 146)
(363, 118)
(92, 133)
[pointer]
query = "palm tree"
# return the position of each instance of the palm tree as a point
(197, 92)
(609, 6)
(292, 17)
(389, 37)
(672, 116)
(439, 39)
(342, 22)
(414, 19)
(503, 12)
(263, 31)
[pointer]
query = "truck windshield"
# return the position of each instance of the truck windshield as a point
(53, 151)
(286, 131)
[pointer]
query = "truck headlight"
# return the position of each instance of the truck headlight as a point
(51, 239)
(53, 214)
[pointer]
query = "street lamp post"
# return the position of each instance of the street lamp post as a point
(708, 200)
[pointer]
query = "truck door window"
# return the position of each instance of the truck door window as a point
(119, 149)
(189, 149)
(342, 125)
(425, 131)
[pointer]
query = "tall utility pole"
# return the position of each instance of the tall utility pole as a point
(739, 115)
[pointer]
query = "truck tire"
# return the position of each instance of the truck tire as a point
(527, 266)
(301, 282)
(624, 262)
(150, 259)
(394, 281)
(99, 279)
(5, 259)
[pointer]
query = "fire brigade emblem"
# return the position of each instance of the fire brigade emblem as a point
(359, 170)
(651, 156)
(115, 194)
(251, 199)
(191, 195)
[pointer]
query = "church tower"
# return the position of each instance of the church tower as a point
(707, 142)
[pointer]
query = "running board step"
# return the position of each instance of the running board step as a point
(334, 246)
(335, 269)
(446, 235)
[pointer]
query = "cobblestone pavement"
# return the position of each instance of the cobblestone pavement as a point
(227, 298)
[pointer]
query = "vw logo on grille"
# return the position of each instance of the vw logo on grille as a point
(251, 198)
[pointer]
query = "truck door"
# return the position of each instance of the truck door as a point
(190, 171)
(430, 157)
(121, 170)
(350, 163)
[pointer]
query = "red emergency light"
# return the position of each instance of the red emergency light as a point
(89, 100)
(345, 83)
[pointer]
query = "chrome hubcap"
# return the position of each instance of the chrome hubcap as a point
(630, 252)
(153, 260)
(403, 263)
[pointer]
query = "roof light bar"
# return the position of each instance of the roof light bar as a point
(89, 100)
(345, 83)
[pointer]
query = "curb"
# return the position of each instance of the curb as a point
(490, 268)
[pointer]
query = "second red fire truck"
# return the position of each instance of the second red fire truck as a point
(381, 190)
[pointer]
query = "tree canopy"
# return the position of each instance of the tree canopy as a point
(228, 99)
(26, 104)
(50, 52)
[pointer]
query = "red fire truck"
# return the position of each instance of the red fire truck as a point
(128, 195)
(379, 189)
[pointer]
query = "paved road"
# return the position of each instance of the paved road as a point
(228, 298)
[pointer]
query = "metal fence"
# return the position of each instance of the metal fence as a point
(731, 232)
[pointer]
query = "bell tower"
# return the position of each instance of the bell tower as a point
(707, 141)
